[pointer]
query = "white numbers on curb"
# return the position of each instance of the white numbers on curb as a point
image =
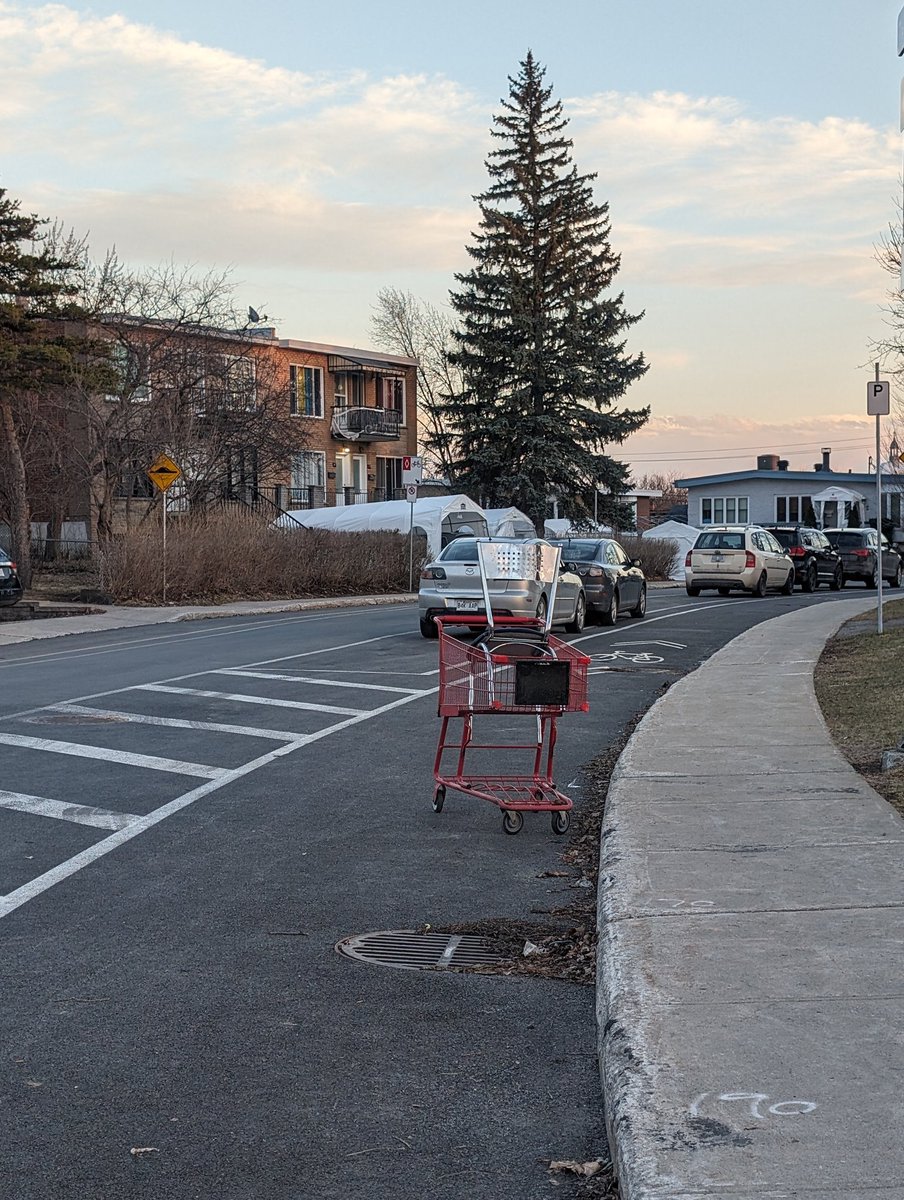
(754, 1102)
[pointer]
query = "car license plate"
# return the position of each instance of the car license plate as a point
(467, 606)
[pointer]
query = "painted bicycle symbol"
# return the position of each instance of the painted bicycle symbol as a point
(638, 658)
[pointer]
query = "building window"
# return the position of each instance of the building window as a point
(239, 388)
(305, 391)
(391, 395)
(794, 509)
(724, 510)
(389, 478)
(308, 469)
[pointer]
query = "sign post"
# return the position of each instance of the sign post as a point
(411, 497)
(412, 474)
(878, 404)
(163, 473)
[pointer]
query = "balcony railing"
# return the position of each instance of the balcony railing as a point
(360, 424)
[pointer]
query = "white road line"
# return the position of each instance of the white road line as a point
(80, 814)
(340, 683)
(243, 698)
(173, 765)
(678, 612)
(41, 883)
(27, 712)
(166, 637)
(278, 735)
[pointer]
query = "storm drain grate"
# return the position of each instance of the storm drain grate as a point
(409, 950)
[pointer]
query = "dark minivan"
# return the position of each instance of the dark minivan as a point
(815, 559)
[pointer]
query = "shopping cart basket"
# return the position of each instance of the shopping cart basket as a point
(515, 666)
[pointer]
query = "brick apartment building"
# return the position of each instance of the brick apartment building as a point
(361, 410)
(355, 409)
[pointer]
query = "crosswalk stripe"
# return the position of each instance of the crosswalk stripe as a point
(339, 683)
(80, 814)
(243, 698)
(278, 735)
(152, 762)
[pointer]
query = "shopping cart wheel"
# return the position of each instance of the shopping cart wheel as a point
(512, 821)
(439, 798)
(561, 821)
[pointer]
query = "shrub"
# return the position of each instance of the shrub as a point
(658, 556)
(229, 556)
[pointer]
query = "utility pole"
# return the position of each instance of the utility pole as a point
(878, 404)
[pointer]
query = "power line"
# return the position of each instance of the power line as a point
(737, 451)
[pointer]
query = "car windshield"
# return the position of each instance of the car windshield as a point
(579, 551)
(720, 541)
(846, 541)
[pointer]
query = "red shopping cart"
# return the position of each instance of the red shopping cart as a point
(514, 666)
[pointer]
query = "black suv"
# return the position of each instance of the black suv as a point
(815, 559)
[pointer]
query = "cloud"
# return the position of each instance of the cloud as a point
(690, 444)
(141, 136)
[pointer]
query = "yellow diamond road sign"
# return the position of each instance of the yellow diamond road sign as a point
(163, 472)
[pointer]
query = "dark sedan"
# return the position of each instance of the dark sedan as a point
(10, 587)
(612, 581)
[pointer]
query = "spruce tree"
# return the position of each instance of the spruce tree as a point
(37, 356)
(540, 341)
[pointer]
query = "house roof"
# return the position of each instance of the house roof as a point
(817, 479)
(356, 355)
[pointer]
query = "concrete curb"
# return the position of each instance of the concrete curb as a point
(123, 617)
(680, 1003)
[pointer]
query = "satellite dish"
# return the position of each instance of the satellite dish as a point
(253, 315)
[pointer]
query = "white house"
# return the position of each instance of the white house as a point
(772, 495)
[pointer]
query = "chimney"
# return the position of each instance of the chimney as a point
(783, 464)
(767, 462)
(826, 455)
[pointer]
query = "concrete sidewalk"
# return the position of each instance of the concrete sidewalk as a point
(128, 617)
(750, 996)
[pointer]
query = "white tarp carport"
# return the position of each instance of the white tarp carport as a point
(675, 531)
(509, 522)
(845, 501)
(438, 518)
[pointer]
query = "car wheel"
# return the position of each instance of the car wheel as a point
(640, 608)
(837, 580)
(811, 578)
(760, 589)
(429, 628)
(873, 580)
(577, 622)
(542, 607)
(895, 581)
(692, 591)
(610, 616)
(788, 586)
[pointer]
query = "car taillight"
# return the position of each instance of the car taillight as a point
(433, 573)
(687, 558)
(797, 552)
(861, 554)
(13, 565)
(750, 561)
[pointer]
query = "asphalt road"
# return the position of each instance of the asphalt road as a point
(191, 817)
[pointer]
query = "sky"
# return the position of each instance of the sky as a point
(750, 154)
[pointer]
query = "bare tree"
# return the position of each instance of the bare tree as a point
(403, 324)
(190, 378)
